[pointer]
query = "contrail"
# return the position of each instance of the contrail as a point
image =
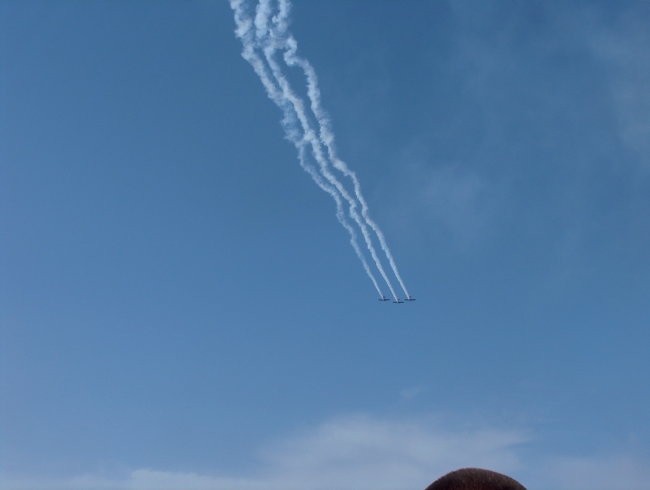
(262, 33)
(272, 44)
(339, 210)
(327, 138)
(325, 132)
(243, 31)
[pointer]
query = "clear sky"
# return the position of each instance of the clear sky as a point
(179, 307)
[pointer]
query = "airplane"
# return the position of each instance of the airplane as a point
(398, 301)
(409, 298)
(383, 298)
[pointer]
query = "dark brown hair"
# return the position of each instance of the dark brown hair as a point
(475, 479)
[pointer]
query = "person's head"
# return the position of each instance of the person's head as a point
(475, 479)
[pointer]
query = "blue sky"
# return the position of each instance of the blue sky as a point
(179, 306)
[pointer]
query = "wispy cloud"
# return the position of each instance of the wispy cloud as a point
(544, 104)
(457, 198)
(598, 473)
(412, 392)
(350, 453)
(451, 198)
(364, 452)
(623, 44)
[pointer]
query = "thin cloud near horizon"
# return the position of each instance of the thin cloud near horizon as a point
(360, 452)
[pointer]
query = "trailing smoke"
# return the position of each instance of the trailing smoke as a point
(262, 36)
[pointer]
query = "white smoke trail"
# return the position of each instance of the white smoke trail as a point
(243, 31)
(262, 12)
(272, 43)
(339, 210)
(327, 137)
(290, 45)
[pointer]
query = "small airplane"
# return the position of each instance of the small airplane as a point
(409, 298)
(398, 301)
(383, 298)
